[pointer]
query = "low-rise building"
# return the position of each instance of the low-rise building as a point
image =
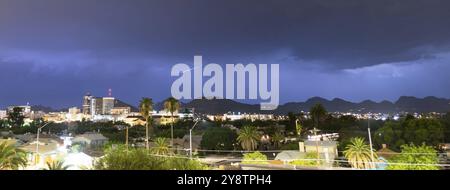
(74, 110)
(48, 150)
(10, 141)
(134, 120)
(328, 148)
(385, 152)
(187, 113)
(445, 147)
(3, 114)
(289, 155)
(184, 143)
(232, 116)
(120, 110)
(90, 140)
(25, 110)
(164, 119)
(56, 117)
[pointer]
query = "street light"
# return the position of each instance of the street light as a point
(190, 134)
(317, 145)
(190, 137)
(37, 138)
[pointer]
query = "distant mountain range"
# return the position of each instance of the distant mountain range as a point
(47, 109)
(221, 106)
(403, 104)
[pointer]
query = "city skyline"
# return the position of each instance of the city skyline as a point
(171, 86)
(95, 104)
(349, 50)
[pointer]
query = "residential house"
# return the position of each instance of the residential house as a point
(3, 114)
(326, 147)
(90, 140)
(183, 143)
(134, 120)
(46, 150)
(164, 119)
(385, 152)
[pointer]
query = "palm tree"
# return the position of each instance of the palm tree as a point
(298, 127)
(318, 112)
(11, 157)
(171, 105)
(248, 137)
(145, 108)
(277, 138)
(161, 146)
(57, 165)
(358, 154)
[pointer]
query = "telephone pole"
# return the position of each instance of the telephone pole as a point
(370, 139)
(315, 130)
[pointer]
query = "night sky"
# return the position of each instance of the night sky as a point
(54, 51)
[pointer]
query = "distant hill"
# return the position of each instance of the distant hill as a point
(221, 106)
(404, 103)
(46, 109)
(119, 103)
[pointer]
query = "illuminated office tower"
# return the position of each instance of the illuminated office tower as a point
(87, 99)
(107, 105)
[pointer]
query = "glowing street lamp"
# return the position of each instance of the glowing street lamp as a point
(190, 138)
(37, 139)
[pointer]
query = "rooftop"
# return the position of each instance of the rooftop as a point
(92, 136)
(321, 143)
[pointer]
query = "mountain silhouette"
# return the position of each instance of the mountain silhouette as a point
(403, 104)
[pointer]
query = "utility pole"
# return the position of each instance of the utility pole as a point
(317, 145)
(370, 139)
(126, 138)
(317, 142)
(127, 135)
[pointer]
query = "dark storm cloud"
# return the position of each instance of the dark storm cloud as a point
(344, 33)
(91, 45)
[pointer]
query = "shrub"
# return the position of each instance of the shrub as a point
(308, 160)
(217, 138)
(254, 158)
(119, 158)
(290, 146)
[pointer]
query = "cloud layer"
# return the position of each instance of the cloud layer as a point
(53, 51)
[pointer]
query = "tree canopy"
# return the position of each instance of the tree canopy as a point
(415, 158)
(410, 130)
(218, 138)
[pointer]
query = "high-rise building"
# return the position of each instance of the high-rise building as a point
(87, 102)
(107, 105)
(96, 106)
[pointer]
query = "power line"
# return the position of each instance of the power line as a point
(306, 159)
(278, 151)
